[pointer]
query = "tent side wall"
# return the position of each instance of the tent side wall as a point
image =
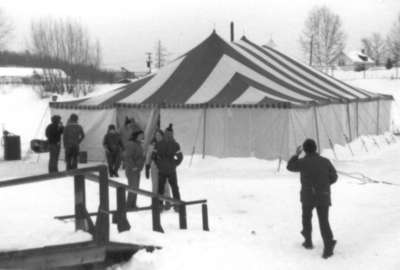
(336, 122)
(231, 132)
(95, 124)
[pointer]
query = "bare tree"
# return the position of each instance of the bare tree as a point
(160, 55)
(5, 29)
(68, 42)
(393, 41)
(322, 39)
(375, 47)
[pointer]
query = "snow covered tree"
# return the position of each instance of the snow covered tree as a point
(323, 38)
(5, 29)
(375, 47)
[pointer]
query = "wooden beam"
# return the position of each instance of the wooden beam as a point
(80, 202)
(54, 256)
(182, 217)
(102, 235)
(47, 177)
(204, 212)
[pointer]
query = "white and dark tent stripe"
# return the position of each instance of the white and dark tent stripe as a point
(217, 73)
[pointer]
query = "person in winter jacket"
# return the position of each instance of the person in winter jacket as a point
(130, 126)
(151, 167)
(317, 174)
(112, 144)
(134, 159)
(73, 136)
(53, 134)
(168, 156)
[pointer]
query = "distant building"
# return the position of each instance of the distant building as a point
(270, 44)
(354, 60)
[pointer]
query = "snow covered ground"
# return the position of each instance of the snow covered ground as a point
(254, 210)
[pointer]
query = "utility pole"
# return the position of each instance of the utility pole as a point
(149, 61)
(311, 49)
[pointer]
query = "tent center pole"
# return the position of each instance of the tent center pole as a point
(348, 122)
(204, 131)
(316, 128)
(377, 116)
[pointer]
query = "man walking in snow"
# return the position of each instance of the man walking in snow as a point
(316, 174)
(73, 136)
(53, 134)
(113, 147)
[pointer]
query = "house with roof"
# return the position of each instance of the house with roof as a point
(354, 60)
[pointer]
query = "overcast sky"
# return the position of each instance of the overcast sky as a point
(127, 29)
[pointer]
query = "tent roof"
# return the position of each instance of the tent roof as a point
(217, 73)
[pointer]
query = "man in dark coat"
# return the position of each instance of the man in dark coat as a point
(113, 145)
(73, 136)
(168, 156)
(317, 174)
(134, 160)
(53, 134)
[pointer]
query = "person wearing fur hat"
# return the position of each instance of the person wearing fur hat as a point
(53, 134)
(168, 157)
(134, 159)
(317, 174)
(113, 145)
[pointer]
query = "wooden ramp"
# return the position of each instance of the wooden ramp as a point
(83, 255)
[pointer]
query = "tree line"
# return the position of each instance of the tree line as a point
(323, 40)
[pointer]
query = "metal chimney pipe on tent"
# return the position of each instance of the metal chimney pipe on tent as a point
(232, 32)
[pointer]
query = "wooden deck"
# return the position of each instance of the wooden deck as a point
(83, 255)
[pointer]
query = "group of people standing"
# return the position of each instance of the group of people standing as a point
(124, 146)
(72, 135)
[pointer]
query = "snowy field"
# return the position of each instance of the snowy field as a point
(254, 210)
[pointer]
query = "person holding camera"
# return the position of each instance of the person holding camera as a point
(317, 174)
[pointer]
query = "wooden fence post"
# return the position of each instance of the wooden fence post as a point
(120, 215)
(182, 217)
(102, 235)
(204, 211)
(80, 202)
(155, 211)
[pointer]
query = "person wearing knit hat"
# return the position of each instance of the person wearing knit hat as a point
(133, 162)
(73, 136)
(168, 158)
(112, 144)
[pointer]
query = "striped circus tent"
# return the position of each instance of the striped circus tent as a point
(236, 99)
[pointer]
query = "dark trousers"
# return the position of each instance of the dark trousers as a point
(133, 182)
(54, 155)
(173, 182)
(113, 161)
(323, 218)
(71, 157)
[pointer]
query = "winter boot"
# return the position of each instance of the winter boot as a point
(328, 249)
(307, 244)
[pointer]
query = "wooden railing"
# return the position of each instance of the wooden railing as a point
(101, 229)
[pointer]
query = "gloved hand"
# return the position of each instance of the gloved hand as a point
(147, 171)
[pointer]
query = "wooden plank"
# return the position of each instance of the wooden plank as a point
(156, 216)
(80, 202)
(121, 219)
(146, 193)
(204, 212)
(182, 217)
(47, 177)
(102, 234)
(55, 256)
